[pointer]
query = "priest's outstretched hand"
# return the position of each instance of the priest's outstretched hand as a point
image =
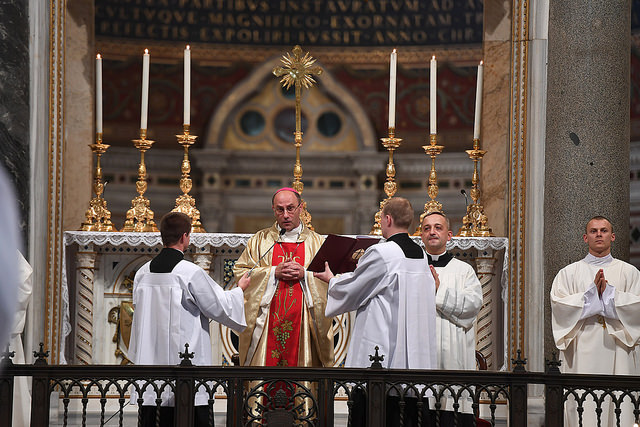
(325, 275)
(244, 281)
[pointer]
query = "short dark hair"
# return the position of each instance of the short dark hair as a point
(598, 217)
(172, 226)
(437, 213)
(400, 210)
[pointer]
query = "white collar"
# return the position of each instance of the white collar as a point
(436, 257)
(291, 235)
(598, 261)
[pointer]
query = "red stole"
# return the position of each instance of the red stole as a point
(285, 313)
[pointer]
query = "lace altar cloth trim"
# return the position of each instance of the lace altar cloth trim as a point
(235, 240)
(151, 239)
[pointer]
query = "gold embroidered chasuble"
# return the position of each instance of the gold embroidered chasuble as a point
(316, 338)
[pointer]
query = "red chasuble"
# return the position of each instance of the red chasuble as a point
(285, 312)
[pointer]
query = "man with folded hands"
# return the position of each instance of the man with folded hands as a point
(594, 316)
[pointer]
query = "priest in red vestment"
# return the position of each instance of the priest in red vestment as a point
(284, 304)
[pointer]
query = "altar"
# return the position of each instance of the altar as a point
(99, 268)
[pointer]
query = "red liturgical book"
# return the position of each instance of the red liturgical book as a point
(341, 252)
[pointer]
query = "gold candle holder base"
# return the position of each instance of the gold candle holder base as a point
(140, 217)
(376, 230)
(185, 203)
(98, 217)
(432, 150)
(475, 222)
(391, 143)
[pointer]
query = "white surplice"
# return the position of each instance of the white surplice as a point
(394, 299)
(597, 335)
(21, 385)
(9, 266)
(172, 309)
(458, 302)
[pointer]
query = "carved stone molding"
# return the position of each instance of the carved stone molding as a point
(85, 264)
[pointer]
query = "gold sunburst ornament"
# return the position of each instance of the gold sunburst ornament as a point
(298, 71)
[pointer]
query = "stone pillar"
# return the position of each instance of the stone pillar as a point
(79, 107)
(587, 142)
(86, 260)
(485, 322)
(14, 102)
(202, 257)
(496, 51)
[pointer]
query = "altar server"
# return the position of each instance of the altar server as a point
(393, 291)
(10, 281)
(174, 300)
(458, 302)
(594, 313)
(284, 304)
(21, 385)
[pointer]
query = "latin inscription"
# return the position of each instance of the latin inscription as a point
(308, 22)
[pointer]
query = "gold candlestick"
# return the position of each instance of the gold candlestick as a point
(475, 222)
(98, 217)
(298, 71)
(185, 203)
(140, 216)
(432, 150)
(391, 143)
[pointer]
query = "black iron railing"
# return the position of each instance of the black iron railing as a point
(306, 396)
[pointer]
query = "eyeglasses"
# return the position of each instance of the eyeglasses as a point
(290, 209)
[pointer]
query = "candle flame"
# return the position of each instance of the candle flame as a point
(481, 62)
(188, 47)
(146, 51)
(433, 57)
(98, 56)
(394, 51)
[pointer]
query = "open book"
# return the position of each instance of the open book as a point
(341, 252)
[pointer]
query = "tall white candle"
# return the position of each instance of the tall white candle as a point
(478, 112)
(432, 94)
(98, 93)
(392, 88)
(145, 90)
(187, 85)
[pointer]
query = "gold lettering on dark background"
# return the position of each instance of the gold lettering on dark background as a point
(309, 22)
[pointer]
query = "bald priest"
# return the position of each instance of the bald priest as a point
(284, 303)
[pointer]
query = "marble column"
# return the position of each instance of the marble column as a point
(486, 322)
(587, 140)
(86, 261)
(496, 51)
(14, 102)
(79, 108)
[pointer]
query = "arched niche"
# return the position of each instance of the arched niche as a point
(259, 115)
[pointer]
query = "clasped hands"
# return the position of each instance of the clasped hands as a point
(601, 282)
(289, 271)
